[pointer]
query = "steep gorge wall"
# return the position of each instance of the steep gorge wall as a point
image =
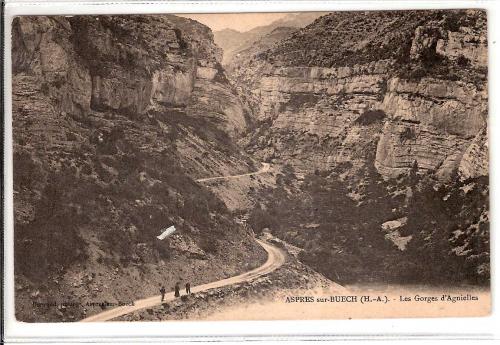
(113, 119)
(317, 107)
(431, 122)
(433, 93)
(123, 64)
(383, 116)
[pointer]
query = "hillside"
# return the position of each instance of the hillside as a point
(386, 111)
(412, 91)
(229, 39)
(371, 127)
(113, 119)
(233, 42)
(261, 44)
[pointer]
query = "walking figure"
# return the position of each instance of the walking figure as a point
(162, 291)
(177, 290)
(188, 288)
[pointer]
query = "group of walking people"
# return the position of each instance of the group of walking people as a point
(177, 292)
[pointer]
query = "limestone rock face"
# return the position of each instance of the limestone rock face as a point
(430, 123)
(403, 143)
(173, 87)
(292, 85)
(425, 40)
(206, 73)
(467, 42)
(117, 92)
(455, 107)
(313, 112)
(431, 98)
(391, 228)
(90, 64)
(464, 44)
(43, 48)
(474, 162)
(220, 103)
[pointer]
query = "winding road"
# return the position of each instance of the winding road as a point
(265, 168)
(275, 258)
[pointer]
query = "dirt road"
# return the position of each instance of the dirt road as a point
(275, 259)
(265, 168)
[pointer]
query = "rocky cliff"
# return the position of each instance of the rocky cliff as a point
(369, 119)
(393, 105)
(419, 77)
(113, 118)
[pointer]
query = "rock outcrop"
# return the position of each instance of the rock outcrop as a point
(431, 122)
(474, 162)
(432, 91)
(385, 114)
(91, 64)
(313, 111)
(113, 119)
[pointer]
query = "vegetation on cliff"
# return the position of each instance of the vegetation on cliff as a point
(341, 39)
(105, 156)
(357, 102)
(343, 238)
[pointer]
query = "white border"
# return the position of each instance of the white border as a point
(445, 329)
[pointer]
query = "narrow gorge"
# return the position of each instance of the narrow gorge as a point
(372, 127)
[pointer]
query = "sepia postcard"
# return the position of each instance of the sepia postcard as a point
(250, 166)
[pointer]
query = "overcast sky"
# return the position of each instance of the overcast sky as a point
(236, 21)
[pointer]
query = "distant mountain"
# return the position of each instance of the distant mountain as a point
(229, 39)
(233, 41)
(244, 55)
